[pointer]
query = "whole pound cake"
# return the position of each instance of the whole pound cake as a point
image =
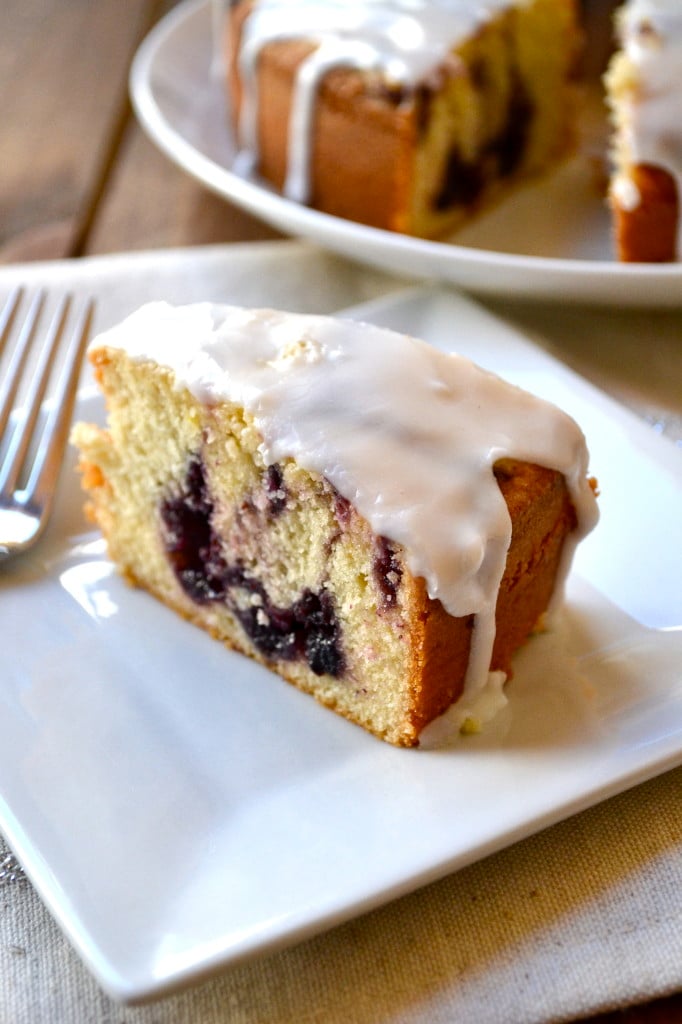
(644, 87)
(380, 523)
(407, 115)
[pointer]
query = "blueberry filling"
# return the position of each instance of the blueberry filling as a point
(308, 629)
(342, 509)
(321, 632)
(464, 180)
(387, 571)
(189, 540)
(275, 489)
(510, 144)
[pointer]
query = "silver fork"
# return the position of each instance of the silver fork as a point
(32, 445)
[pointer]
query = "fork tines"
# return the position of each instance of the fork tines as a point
(29, 368)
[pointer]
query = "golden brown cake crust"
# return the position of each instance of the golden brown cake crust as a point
(542, 516)
(647, 232)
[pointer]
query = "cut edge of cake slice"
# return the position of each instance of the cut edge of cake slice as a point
(273, 478)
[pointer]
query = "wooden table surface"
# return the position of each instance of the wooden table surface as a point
(78, 176)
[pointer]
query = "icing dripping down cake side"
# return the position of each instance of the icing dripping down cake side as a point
(408, 115)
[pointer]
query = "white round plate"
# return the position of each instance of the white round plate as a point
(551, 240)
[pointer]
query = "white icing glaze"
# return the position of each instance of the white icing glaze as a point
(650, 33)
(469, 715)
(402, 39)
(405, 432)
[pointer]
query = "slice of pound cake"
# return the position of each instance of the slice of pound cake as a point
(380, 523)
(644, 89)
(407, 115)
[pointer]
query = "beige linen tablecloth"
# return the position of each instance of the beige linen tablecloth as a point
(584, 916)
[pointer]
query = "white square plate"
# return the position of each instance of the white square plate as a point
(179, 808)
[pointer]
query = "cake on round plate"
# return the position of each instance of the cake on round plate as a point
(407, 115)
(412, 115)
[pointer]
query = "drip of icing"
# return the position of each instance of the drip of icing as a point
(650, 33)
(406, 433)
(402, 39)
